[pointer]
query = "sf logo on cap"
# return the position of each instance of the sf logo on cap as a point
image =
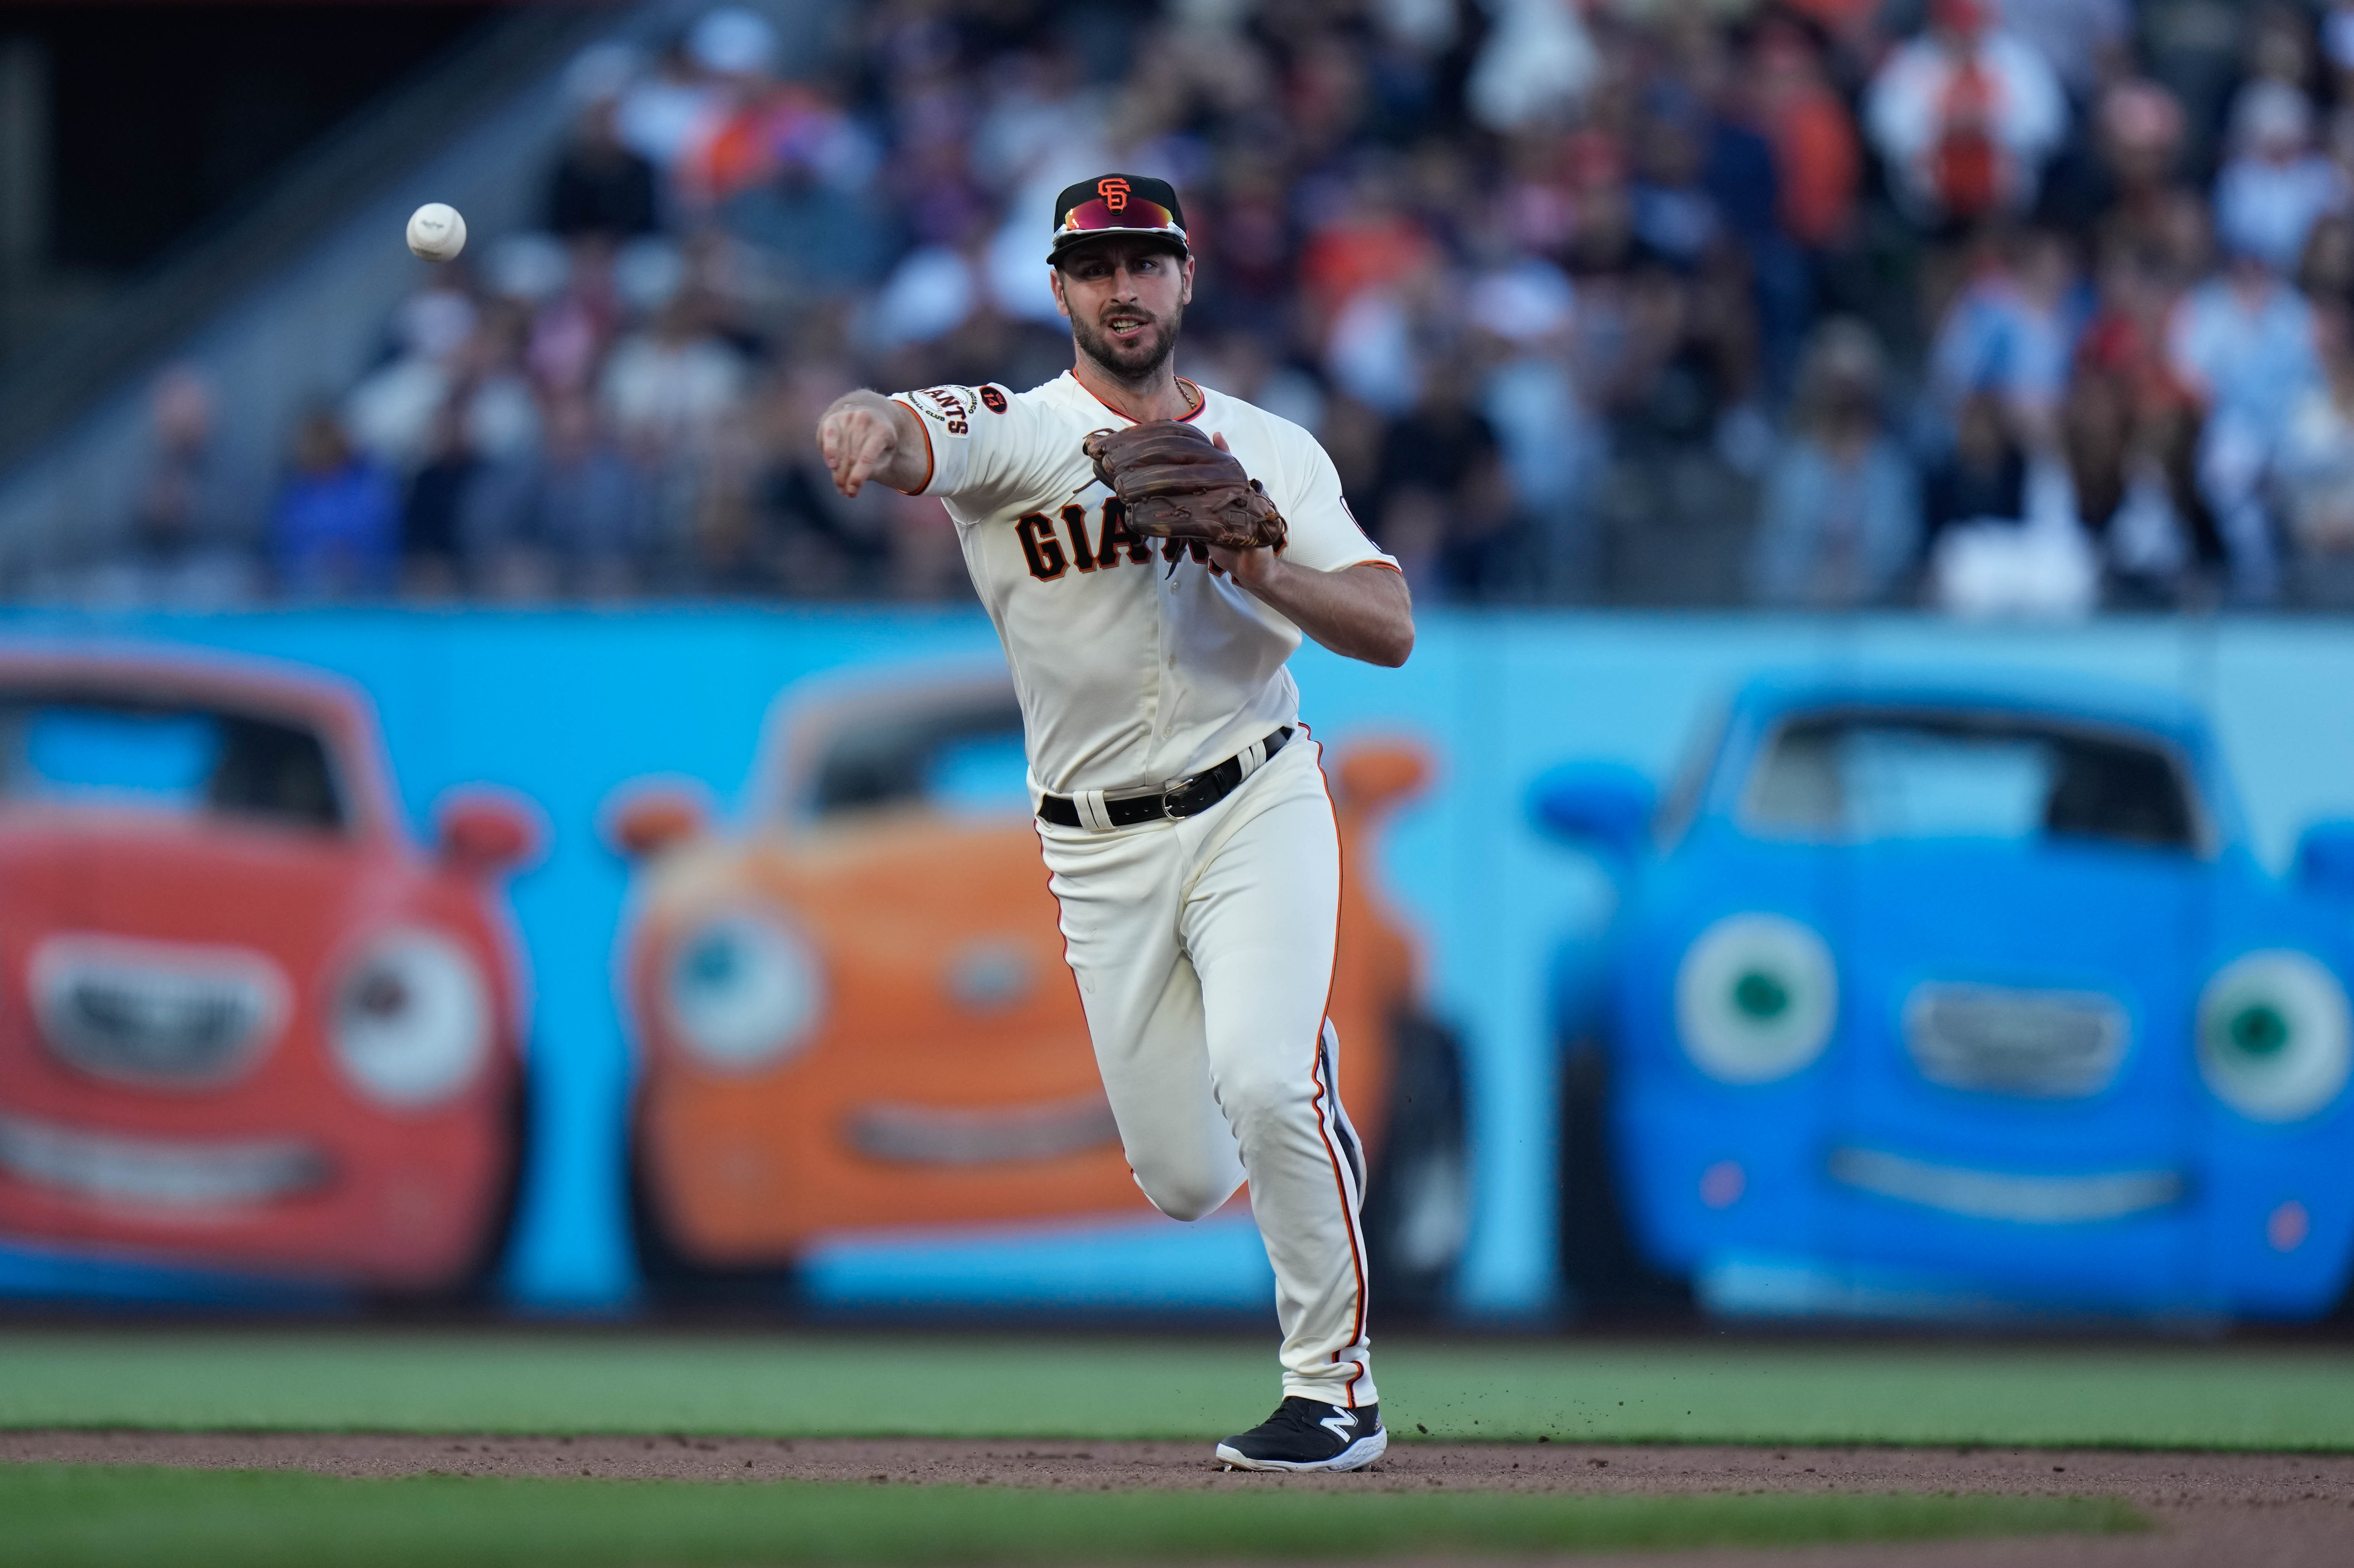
(1114, 192)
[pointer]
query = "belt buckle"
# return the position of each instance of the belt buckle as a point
(1177, 800)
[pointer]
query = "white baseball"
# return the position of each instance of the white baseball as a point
(436, 231)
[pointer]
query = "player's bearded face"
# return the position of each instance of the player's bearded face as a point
(1126, 307)
(1128, 339)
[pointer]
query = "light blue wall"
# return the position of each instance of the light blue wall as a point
(565, 706)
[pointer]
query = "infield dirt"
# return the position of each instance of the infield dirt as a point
(2247, 1510)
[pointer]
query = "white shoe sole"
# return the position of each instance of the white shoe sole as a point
(1355, 1456)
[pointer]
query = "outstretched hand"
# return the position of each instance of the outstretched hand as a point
(857, 443)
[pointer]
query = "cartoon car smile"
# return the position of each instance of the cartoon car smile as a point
(244, 1025)
(857, 1014)
(1925, 992)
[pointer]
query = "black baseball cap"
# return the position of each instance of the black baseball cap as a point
(1118, 204)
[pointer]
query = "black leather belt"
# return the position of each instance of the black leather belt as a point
(1179, 798)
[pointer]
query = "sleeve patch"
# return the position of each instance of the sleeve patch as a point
(993, 399)
(949, 406)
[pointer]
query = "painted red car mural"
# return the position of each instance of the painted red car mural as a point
(245, 1023)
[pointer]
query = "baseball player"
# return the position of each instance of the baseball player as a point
(1148, 585)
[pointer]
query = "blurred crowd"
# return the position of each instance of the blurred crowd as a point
(1992, 306)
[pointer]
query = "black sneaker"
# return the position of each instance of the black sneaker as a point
(1303, 1435)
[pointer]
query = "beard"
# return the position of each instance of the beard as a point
(1136, 362)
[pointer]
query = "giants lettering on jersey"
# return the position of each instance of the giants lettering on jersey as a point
(1106, 545)
(1032, 522)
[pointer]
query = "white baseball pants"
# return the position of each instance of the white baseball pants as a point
(1203, 953)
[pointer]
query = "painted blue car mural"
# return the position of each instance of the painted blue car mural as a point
(1926, 997)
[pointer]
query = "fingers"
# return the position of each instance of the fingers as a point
(829, 445)
(842, 459)
(1251, 566)
(1218, 440)
(854, 443)
(873, 449)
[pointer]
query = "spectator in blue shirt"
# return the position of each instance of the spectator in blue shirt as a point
(335, 532)
(1838, 525)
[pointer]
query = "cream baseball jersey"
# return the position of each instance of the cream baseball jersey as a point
(1136, 660)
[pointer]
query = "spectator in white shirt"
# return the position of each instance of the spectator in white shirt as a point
(2242, 345)
(2316, 469)
(2275, 186)
(667, 388)
(1965, 116)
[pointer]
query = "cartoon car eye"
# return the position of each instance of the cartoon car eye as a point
(743, 990)
(2273, 1040)
(412, 1019)
(1755, 997)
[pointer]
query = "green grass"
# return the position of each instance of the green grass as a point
(803, 1385)
(94, 1516)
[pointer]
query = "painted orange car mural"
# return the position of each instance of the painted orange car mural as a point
(856, 1014)
(244, 1024)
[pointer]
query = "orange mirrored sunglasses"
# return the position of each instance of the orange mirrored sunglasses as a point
(1135, 212)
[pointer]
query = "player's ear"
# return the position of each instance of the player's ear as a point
(1054, 279)
(1185, 297)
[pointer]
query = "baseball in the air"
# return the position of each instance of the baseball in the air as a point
(436, 231)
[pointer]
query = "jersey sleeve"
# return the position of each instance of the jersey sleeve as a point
(982, 445)
(1323, 531)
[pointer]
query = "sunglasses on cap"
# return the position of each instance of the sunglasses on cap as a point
(1145, 220)
(1136, 215)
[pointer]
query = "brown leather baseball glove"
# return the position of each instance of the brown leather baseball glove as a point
(1177, 485)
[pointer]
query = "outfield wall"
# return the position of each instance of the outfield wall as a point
(566, 707)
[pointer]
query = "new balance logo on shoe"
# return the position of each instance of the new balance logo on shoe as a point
(1308, 1435)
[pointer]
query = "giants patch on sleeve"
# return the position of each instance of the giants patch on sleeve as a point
(949, 405)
